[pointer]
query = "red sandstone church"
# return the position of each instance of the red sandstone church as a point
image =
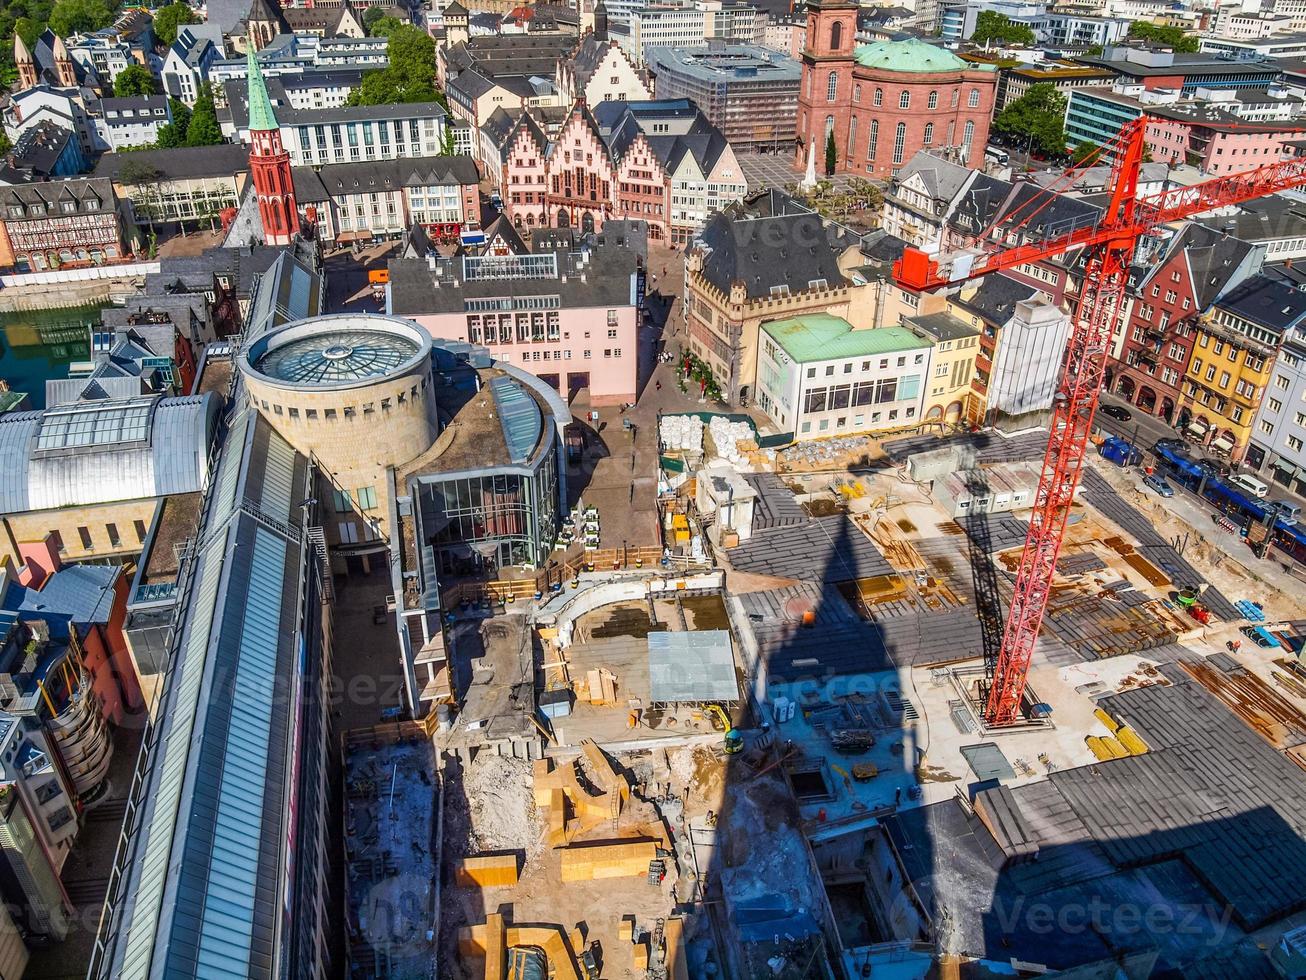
(887, 100)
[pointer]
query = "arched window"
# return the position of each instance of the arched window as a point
(879, 96)
(929, 134)
(852, 135)
(973, 99)
(836, 35)
(857, 93)
(831, 86)
(904, 100)
(829, 128)
(934, 101)
(956, 97)
(899, 142)
(969, 135)
(875, 138)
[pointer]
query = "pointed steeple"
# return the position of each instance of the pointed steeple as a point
(261, 117)
(27, 73)
(22, 54)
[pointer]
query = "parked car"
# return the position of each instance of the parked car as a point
(1167, 444)
(1117, 412)
(1159, 484)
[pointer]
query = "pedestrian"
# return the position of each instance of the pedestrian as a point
(658, 387)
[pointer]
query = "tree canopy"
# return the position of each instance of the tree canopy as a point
(1172, 37)
(383, 26)
(203, 128)
(410, 76)
(1083, 151)
(69, 17)
(991, 26)
(173, 134)
(134, 80)
(1038, 116)
(168, 19)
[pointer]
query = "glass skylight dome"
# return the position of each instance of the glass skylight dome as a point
(337, 356)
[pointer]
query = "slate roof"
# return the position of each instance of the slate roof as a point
(768, 250)
(996, 297)
(180, 163)
(333, 180)
(39, 148)
(78, 594)
(92, 194)
(1213, 258)
(980, 203)
(943, 180)
(1042, 214)
(1270, 302)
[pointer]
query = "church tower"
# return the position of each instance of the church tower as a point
(25, 62)
(456, 29)
(63, 64)
(825, 99)
(269, 164)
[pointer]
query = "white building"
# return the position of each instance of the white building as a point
(691, 26)
(106, 57)
(1027, 365)
(1278, 446)
(189, 60)
(61, 106)
(817, 376)
(129, 122)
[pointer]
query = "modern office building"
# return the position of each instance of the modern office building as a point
(1188, 72)
(750, 93)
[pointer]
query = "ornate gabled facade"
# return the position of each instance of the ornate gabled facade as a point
(599, 71)
(269, 164)
(661, 163)
(579, 184)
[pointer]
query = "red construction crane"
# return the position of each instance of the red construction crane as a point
(1109, 248)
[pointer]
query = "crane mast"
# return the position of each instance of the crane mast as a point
(1108, 248)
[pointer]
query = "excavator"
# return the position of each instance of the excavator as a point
(734, 742)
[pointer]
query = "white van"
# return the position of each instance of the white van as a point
(997, 155)
(1249, 483)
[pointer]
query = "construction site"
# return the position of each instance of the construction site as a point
(975, 706)
(782, 766)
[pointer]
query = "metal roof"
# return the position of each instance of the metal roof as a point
(695, 666)
(96, 452)
(218, 787)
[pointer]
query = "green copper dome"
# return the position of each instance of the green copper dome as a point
(910, 56)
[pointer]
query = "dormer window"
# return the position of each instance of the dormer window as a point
(69, 207)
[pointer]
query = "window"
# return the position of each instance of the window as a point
(973, 99)
(366, 497)
(831, 85)
(875, 138)
(1281, 382)
(857, 93)
(1267, 428)
(904, 99)
(933, 101)
(879, 97)
(811, 372)
(836, 35)
(85, 534)
(970, 135)
(899, 141)
(112, 531)
(1224, 379)
(929, 134)
(139, 527)
(347, 531)
(1294, 443)
(341, 502)
(852, 135)
(956, 95)
(1276, 406)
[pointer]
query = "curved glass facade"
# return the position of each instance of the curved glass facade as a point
(479, 522)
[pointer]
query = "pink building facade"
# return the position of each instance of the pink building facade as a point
(1219, 152)
(569, 317)
(579, 189)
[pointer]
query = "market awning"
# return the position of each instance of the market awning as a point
(1224, 443)
(1283, 466)
(1198, 427)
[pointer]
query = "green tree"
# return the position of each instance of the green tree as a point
(1083, 151)
(5, 144)
(168, 19)
(383, 26)
(991, 26)
(28, 29)
(410, 76)
(173, 134)
(203, 128)
(70, 17)
(1093, 51)
(1037, 116)
(134, 80)
(831, 153)
(1171, 37)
